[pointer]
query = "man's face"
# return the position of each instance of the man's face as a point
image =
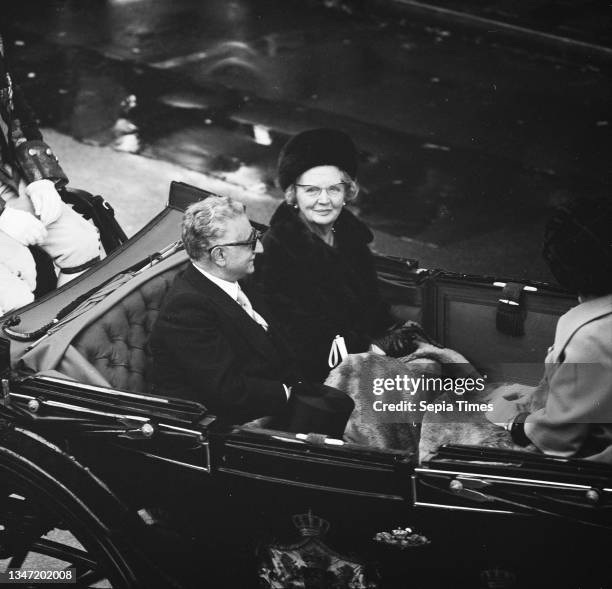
(239, 259)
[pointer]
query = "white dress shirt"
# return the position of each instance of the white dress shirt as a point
(231, 288)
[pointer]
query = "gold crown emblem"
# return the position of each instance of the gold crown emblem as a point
(309, 524)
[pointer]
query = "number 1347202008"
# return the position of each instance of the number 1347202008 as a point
(39, 576)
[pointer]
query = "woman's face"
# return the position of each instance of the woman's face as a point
(320, 194)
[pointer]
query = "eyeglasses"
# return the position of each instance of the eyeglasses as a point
(314, 191)
(251, 241)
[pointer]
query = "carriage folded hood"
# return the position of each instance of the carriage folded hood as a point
(152, 238)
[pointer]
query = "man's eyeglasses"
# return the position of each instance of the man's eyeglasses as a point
(251, 241)
(314, 191)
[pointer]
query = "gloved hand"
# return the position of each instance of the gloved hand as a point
(14, 292)
(22, 226)
(453, 364)
(18, 262)
(46, 201)
(396, 343)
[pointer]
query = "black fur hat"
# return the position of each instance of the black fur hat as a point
(316, 147)
(578, 246)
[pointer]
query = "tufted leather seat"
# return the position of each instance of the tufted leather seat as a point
(116, 344)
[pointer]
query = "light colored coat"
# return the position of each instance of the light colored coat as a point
(575, 418)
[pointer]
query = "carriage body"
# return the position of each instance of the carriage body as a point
(160, 494)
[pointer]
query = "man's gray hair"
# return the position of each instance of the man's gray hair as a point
(204, 223)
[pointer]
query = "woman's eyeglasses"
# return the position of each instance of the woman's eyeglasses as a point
(251, 241)
(314, 191)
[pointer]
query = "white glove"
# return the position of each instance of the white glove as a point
(46, 201)
(20, 263)
(14, 292)
(22, 226)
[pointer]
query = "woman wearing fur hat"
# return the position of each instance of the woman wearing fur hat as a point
(317, 267)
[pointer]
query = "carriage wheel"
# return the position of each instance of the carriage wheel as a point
(56, 516)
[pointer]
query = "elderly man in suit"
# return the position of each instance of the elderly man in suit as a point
(215, 341)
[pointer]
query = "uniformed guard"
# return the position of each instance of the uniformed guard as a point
(31, 210)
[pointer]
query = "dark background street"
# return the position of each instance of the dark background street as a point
(472, 118)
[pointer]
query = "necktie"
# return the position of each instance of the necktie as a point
(244, 302)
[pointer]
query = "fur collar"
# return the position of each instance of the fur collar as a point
(287, 227)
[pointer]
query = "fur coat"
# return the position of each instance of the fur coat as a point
(417, 433)
(319, 291)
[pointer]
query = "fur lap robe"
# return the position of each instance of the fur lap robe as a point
(467, 427)
(421, 432)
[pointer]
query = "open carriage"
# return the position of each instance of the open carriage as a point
(109, 485)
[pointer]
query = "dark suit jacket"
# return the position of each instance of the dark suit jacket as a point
(207, 349)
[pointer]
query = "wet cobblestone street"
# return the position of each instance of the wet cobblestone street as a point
(465, 139)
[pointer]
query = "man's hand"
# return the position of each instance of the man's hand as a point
(46, 201)
(503, 412)
(521, 396)
(22, 226)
